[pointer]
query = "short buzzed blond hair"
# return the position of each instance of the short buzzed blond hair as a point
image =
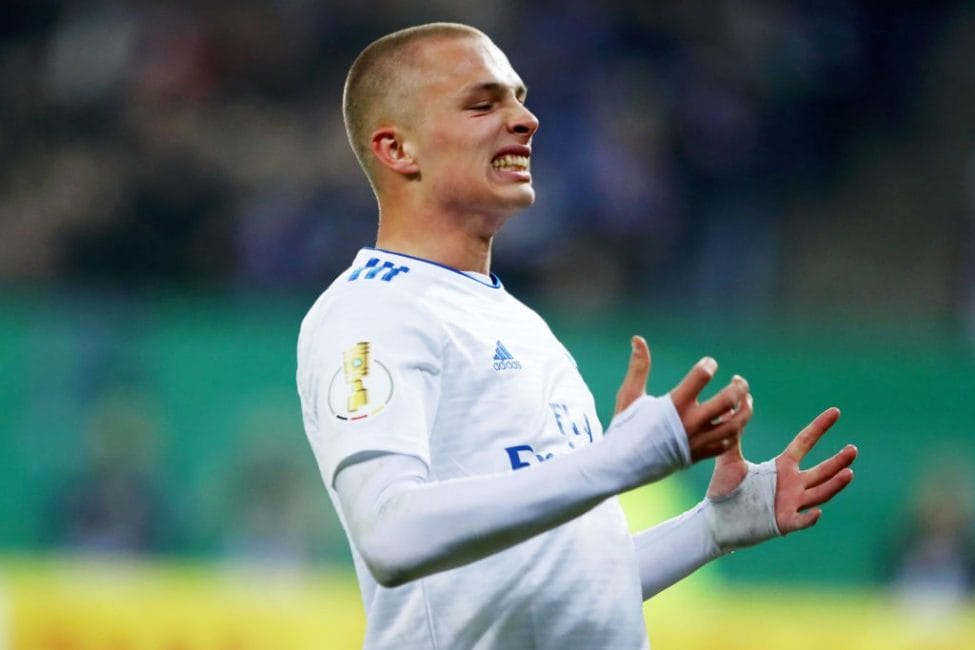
(377, 87)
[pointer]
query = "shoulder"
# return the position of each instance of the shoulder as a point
(393, 313)
(365, 294)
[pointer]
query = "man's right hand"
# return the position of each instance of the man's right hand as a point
(712, 426)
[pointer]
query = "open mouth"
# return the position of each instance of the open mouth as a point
(510, 163)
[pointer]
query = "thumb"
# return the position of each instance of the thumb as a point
(730, 469)
(634, 383)
(731, 457)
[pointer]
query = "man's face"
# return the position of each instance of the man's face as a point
(471, 135)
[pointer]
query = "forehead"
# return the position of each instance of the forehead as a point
(457, 65)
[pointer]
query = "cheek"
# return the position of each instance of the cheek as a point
(460, 153)
(470, 136)
(458, 160)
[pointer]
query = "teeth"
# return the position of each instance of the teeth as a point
(510, 162)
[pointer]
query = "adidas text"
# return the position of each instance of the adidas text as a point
(507, 364)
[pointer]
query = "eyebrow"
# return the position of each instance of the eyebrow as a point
(497, 88)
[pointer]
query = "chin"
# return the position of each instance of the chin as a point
(524, 197)
(505, 203)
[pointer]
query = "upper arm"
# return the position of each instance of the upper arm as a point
(364, 485)
(363, 480)
(369, 380)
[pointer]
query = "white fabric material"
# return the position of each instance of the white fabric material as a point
(673, 550)
(403, 356)
(656, 435)
(746, 515)
(406, 527)
(676, 548)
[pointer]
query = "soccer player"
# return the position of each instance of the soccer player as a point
(456, 439)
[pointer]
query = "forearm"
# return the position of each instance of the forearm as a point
(674, 549)
(406, 526)
(411, 528)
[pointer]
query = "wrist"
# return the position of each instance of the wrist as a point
(651, 434)
(746, 515)
(704, 511)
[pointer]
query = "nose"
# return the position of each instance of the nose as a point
(523, 121)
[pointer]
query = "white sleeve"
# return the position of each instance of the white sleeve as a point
(369, 379)
(673, 550)
(406, 526)
(676, 548)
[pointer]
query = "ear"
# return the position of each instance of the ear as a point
(391, 150)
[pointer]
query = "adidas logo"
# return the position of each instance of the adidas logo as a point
(503, 360)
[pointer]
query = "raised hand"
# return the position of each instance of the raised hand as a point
(713, 426)
(798, 493)
(746, 499)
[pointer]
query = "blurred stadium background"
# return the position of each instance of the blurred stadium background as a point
(788, 186)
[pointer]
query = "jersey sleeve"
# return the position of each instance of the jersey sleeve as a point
(369, 368)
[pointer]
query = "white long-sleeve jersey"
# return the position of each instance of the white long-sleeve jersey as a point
(412, 360)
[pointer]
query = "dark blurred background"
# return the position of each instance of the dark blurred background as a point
(787, 185)
(749, 154)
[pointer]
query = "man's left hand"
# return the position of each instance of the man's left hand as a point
(798, 493)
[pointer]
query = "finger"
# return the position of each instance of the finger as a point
(710, 450)
(732, 454)
(714, 442)
(829, 467)
(686, 392)
(826, 491)
(635, 382)
(724, 417)
(724, 437)
(730, 469)
(809, 436)
(726, 451)
(731, 428)
(729, 398)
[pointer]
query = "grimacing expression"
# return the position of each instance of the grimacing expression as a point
(471, 136)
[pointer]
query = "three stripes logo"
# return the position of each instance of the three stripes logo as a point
(372, 269)
(503, 360)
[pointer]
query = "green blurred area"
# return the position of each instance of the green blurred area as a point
(196, 394)
(906, 402)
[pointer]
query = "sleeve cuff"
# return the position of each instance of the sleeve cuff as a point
(676, 429)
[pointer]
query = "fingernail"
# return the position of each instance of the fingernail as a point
(709, 364)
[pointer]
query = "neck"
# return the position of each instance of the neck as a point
(462, 242)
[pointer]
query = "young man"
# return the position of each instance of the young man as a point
(455, 437)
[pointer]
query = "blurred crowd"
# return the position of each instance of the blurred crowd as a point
(933, 551)
(753, 153)
(120, 464)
